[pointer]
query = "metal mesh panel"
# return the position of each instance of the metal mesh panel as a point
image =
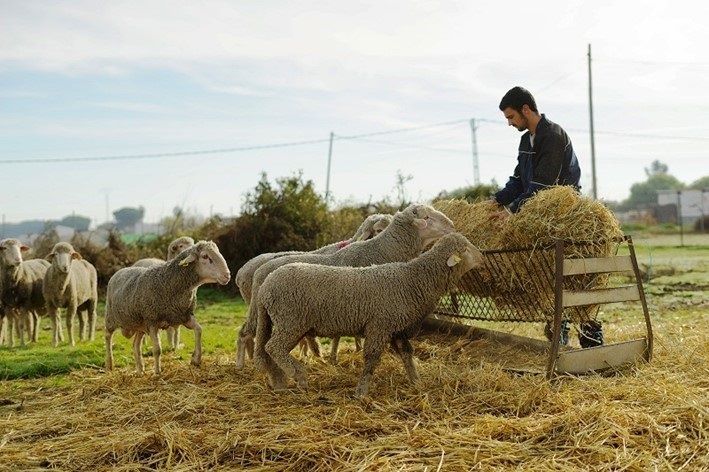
(517, 285)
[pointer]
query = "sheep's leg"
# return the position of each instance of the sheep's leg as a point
(108, 337)
(403, 348)
(358, 344)
(170, 340)
(11, 328)
(157, 348)
(53, 314)
(313, 345)
(35, 326)
(333, 350)
(70, 315)
(137, 353)
(82, 325)
(173, 337)
(197, 354)
(279, 347)
(303, 347)
(276, 377)
(92, 319)
(20, 326)
(245, 339)
(373, 348)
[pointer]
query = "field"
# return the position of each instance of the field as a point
(60, 410)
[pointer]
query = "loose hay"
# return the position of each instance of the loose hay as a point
(516, 281)
(467, 413)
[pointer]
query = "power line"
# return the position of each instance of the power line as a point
(402, 130)
(413, 146)
(163, 154)
(354, 137)
(222, 150)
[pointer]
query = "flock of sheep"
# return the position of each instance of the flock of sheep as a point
(378, 285)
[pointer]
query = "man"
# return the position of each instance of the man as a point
(546, 157)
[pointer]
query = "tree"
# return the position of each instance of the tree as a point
(127, 217)
(656, 168)
(644, 194)
(400, 187)
(700, 184)
(291, 214)
(78, 222)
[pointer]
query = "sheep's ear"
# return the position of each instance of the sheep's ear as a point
(50, 256)
(76, 255)
(188, 260)
(364, 236)
(24, 248)
(453, 260)
(420, 223)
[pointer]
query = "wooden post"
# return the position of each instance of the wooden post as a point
(639, 281)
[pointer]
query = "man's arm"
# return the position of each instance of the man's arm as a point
(550, 159)
(512, 190)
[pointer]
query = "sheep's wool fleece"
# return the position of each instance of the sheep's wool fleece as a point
(362, 301)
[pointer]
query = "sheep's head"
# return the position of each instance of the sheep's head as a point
(372, 226)
(178, 245)
(431, 223)
(461, 255)
(209, 262)
(11, 252)
(62, 256)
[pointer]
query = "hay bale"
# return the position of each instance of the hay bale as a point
(523, 281)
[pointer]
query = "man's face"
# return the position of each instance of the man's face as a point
(516, 119)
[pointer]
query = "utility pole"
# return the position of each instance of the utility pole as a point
(329, 161)
(590, 114)
(679, 218)
(474, 137)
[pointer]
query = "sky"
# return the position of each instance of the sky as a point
(87, 79)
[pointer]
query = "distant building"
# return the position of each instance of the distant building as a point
(689, 204)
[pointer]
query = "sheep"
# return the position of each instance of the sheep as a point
(21, 289)
(370, 227)
(147, 299)
(70, 283)
(409, 232)
(173, 249)
(385, 304)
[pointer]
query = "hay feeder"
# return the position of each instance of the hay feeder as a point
(548, 284)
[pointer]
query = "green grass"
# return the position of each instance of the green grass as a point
(219, 314)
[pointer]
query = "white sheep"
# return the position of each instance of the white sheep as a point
(70, 283)
(174, 248)
(370, 227)
(409, 232)
(142, 300)
(385, 304)
(21, 289)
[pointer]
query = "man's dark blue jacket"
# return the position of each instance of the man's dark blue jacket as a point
(550, 161)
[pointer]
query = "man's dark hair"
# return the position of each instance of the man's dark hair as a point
(516, 98)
